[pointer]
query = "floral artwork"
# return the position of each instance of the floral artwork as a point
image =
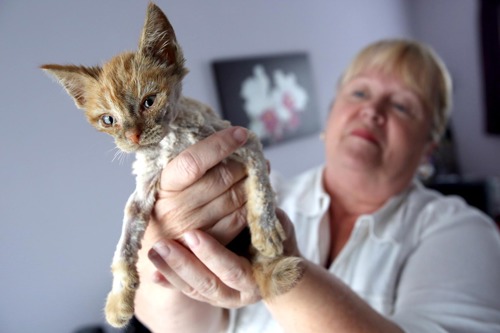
(271, 96)
(273, 110)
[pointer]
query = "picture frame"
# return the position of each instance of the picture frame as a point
(272, 95)
(490, 47)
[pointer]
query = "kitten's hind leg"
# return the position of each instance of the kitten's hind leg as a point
(267, 233)
(120, 301)
(274, 272)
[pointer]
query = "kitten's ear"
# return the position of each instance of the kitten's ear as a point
(75, 79)
(158, 38)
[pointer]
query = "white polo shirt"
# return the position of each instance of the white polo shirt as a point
(428, 262)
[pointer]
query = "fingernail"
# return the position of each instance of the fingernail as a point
(191, 239)
(155, 258)
(162, 249)
(240, 134)
(157, 277)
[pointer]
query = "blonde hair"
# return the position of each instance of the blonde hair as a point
(418, 66)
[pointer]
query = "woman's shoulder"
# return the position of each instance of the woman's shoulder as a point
(436, 212)
(306, 179)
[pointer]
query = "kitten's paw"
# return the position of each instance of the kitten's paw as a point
(120, 302)
(120, 307)
(278, 276)
(286, 274)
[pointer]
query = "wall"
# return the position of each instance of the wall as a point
(451, 27)
(61, 194)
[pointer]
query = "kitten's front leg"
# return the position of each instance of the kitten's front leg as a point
(120, 301)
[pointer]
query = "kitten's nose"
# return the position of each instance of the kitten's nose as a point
(133, 136)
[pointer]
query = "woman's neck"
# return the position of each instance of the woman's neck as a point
(348, 201)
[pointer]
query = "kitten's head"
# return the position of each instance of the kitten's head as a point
(133, 96)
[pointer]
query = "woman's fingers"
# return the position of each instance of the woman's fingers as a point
(213, 183)
(233, 270)
(179, 215)
(209, 272)
(229, 227)
(195, 161)
(181, 269)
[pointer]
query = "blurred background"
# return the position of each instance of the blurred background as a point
(61, 196)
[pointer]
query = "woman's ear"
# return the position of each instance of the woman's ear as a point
(426, 169)
(431, 146)
(429, 149)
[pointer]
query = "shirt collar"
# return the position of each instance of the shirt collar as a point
(384, 223)
(315, 202)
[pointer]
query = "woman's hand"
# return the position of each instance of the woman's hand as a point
(201, 208)
(206, 270)
(197, 191)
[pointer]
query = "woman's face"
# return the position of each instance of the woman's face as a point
(379, 129)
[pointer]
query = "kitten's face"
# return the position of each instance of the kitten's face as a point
(133, 96)
(132, 100)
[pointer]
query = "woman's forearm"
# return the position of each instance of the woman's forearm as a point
(165, 310)
(322, 302)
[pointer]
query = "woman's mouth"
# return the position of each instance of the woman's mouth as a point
(366, 135)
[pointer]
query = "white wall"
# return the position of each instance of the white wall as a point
(60, 195)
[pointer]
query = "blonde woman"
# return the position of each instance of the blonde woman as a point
(381, 253)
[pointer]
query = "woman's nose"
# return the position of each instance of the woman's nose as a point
(374, 112)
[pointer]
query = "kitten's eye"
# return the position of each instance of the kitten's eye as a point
(149, 101)
(107, 120)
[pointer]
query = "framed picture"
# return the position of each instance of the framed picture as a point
(271, 95)
(490, 44)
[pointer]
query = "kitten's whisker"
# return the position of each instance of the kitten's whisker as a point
(118, 155)
(110, 150)
(115, 155)
(123, 158)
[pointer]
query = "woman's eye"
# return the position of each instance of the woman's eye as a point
(400, 107)
(149, 101)
(359, 94)
(107, 120)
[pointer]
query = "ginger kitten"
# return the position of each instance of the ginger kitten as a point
(136, 98)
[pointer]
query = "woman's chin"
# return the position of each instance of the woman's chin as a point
(361, 156)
